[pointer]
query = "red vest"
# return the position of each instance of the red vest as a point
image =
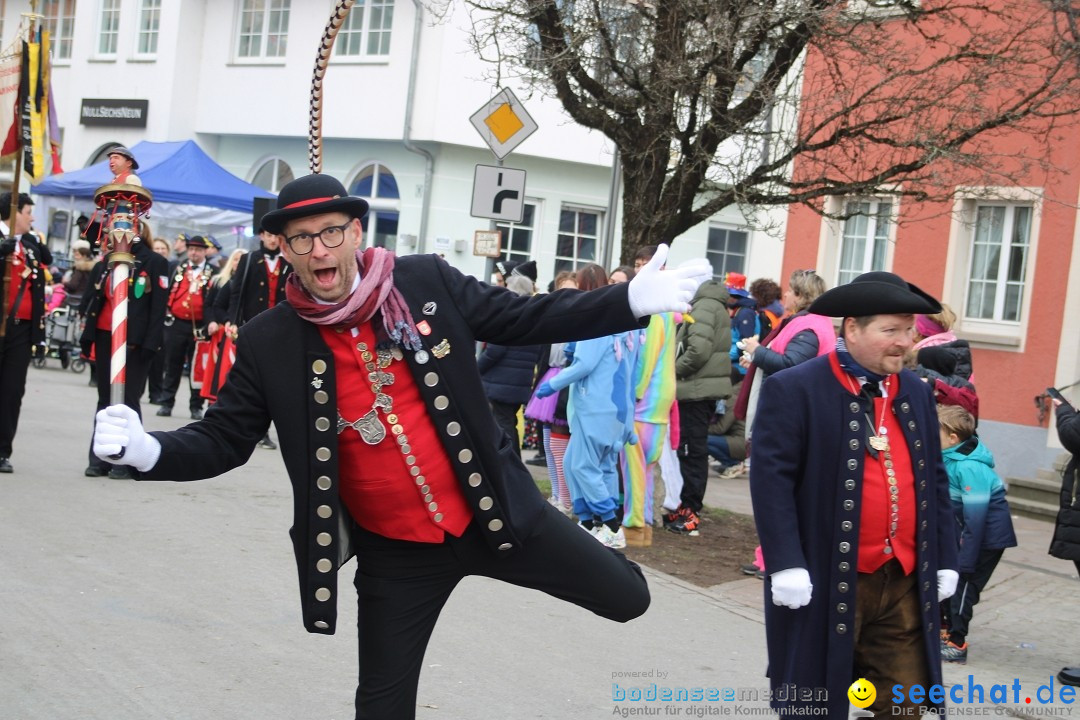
(104, 321)
(876, 508)
(184, 304)
(400, 489)
(16, 265)
(272, 278)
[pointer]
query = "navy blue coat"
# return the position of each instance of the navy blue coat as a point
(508, 371)
(806, 484)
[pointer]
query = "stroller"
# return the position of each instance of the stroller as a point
(62, 329)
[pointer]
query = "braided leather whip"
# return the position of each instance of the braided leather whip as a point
(326, 44)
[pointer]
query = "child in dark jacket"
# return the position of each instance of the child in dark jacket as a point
(985, 524)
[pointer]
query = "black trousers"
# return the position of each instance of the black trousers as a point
(156, 376)
(506, 418)
(402, 587)
(694, 450)
(179, 345)
(14, 363)
(957, 612)
(138, 365)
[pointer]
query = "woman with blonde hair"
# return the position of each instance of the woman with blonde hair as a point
(936, 331)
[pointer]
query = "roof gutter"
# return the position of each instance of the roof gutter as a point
(429, 159)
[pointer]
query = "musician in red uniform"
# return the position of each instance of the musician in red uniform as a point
(23, 259)
(147, 296)
(257, 285)
(187, 298)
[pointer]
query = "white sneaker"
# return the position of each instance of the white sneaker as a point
(554, 502)
(610, 539)
(736, 471)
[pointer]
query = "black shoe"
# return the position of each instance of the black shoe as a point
(1069, 676)
(155, 401)
(164, 411)
(196, 414)
(267, 444)
(5, 465)
(749, 569)
(95, 471)
(538, 461)
(120, 472)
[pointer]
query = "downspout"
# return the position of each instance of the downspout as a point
(429, 159)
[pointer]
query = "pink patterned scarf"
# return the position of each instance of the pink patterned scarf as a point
(376, 293)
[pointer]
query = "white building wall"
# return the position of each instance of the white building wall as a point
(244, 112)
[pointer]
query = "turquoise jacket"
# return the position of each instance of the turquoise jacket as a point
(978, 498)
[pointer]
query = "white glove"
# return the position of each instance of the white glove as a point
(946, 584)
(119, 432)
(791, 588)
(652, 291)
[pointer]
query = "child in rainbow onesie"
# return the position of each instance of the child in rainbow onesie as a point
(601, 412)
(654, 388)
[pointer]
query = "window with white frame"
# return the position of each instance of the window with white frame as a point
(108, 28)
(263, 29)
(60, 20)
(376, 184)
(726, 249)
(148, 28)
(578, 239)
(366, 30)
(864, 242)
(998, 267)
(272, 175)
(517, 238)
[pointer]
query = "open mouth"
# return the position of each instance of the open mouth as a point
(325, 276)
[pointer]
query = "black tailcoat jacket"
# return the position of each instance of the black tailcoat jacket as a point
(806, 483)
(284, 373)
(38, 258)
(146, 308)
(249, 289)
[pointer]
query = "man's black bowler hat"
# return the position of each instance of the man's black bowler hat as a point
(121, 150)
(312, 195)
(197, 241)
(875, 293)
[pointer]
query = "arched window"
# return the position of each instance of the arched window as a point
(376, 184)
(272, 175)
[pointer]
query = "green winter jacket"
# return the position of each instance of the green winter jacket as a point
(702, 363)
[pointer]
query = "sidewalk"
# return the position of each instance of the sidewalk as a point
(140, 601)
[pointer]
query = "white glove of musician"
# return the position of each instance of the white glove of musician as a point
(791, 588)
(652, 291)
(946, 584)
(120, 432)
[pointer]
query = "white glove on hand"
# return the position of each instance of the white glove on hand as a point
(791, 588)
(120, 432)
(946, 584)
(652, 291)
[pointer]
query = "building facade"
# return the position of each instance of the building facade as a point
(235, 76)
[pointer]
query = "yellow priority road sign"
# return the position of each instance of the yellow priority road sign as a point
(503, 123)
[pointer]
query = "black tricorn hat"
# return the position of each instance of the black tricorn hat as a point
(875, 293)
(121, 150)
(312, 195)
(506, 268)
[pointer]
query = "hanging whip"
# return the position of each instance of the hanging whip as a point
(322, 60)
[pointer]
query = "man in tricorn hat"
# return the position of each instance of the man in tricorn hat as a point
(851, 502)
(369, 375)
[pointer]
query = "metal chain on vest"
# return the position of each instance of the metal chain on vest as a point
(322, 60)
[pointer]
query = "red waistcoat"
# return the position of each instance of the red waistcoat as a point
(403, 487)
(16, 266)
(876, 507)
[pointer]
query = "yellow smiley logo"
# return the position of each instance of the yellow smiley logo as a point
(862, 693)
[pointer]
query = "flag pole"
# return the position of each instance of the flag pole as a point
(15, 178)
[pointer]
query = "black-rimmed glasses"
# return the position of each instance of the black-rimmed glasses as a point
(331, 237)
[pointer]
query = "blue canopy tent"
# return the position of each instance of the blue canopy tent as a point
(192, 193)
